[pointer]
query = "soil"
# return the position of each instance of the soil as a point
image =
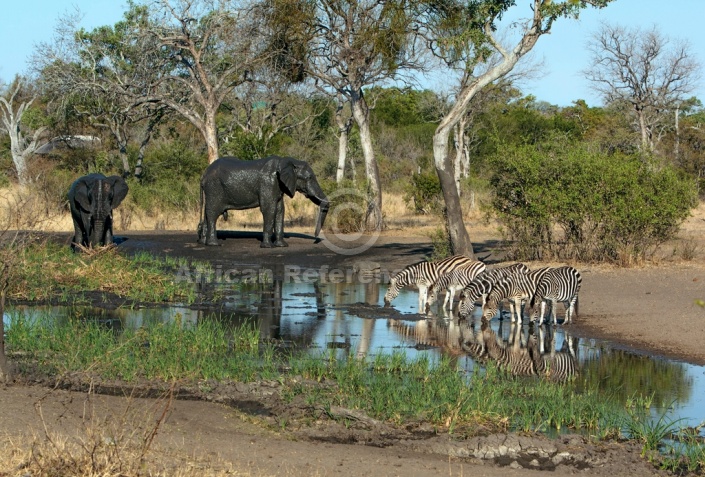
(247, 430)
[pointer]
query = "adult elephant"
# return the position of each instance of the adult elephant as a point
(230, 183)
(92, 199)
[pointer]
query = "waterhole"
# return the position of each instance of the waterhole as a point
(349, 318)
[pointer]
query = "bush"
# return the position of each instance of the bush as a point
(566, 201)
(348, 207)
(424, 194)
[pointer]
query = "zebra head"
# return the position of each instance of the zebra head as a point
(431, 295)
(466, 305)
(490, 309)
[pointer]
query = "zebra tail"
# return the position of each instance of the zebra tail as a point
(577, 302)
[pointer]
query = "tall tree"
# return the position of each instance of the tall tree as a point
(347, 46)
(644, 69)
(23, 142)
(464, 36)
(102, 76)
(212, 47)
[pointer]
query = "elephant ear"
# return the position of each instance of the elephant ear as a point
(119, 187)
(81, 195)
(287, 177)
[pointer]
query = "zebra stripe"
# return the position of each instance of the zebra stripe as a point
(515, 288)
(556, 365)
(482, 285)
(423, 274)
(558, 284)
(515, 359)
(452, 282)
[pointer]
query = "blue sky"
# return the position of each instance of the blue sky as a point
(28, 22)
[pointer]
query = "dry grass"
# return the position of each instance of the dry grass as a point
(100, 442)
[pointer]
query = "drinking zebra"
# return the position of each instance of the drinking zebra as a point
(481, 286)
(423, 274)
(557, 284)
(452, 282)
(515, 288)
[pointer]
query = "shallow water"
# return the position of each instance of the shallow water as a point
(347, 318)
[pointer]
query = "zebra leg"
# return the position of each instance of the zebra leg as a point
(569, 311)
(451, 294)
(423, 290)
(445, 300)
(543, 310)
(554, 305)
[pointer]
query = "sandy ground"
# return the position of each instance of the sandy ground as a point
(651, 308)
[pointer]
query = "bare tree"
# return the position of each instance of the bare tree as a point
(465, 38)
(211, 48)
(347, 46)
(23, 142)
(646, 70)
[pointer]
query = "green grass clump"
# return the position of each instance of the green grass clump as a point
(50, 271)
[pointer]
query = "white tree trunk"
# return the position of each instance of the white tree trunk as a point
(361, 114)
(344, 126)
(20, 148)
(210, 134)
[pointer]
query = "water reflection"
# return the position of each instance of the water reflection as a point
(346, 320)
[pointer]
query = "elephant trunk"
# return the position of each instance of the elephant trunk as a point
(316, 195)
(322, 213)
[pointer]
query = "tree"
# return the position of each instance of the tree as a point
(464, 37)
(102, 76)
(347, 46)
(23, 142)
(210, 48)
(640, 68)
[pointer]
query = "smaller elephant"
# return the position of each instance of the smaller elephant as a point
(92, 199)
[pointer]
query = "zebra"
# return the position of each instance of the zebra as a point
(452, 282)
(479, 288)
(556, 365)
(423, 274)
(516, 288)
(557, 284)
(515, 359)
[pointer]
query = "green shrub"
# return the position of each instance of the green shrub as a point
(172, 161)
(348, 206)
(424, 194)
(567, 201)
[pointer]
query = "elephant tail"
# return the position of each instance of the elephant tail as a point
(202, 208)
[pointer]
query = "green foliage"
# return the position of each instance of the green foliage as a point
(172, 161)
(389, 387)
(395, 107)
(348, 206)
(568, 201)
(440, 241)
(424, 193)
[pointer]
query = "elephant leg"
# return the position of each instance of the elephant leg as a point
(208, 235)
(78, 238)
(279, 225)
(109, 234)
(268, 219)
